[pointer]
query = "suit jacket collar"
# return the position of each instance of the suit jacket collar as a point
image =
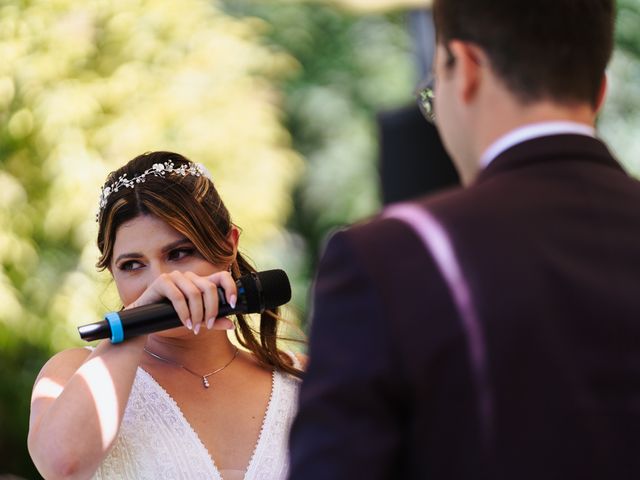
(553, 148)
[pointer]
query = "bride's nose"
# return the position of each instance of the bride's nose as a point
(157, 268)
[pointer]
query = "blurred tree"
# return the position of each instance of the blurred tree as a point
(351, 67)
(85, 86)
(370, 6)
(627, 33)
(620, 118)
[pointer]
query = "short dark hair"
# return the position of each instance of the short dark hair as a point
(556, 49)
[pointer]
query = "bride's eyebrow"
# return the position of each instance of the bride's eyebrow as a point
(167, 248)
(178, 243)
(131, 256)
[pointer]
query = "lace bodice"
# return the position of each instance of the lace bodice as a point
(156, 441)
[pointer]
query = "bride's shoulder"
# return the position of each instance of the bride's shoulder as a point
(300, 360)
(65, 362)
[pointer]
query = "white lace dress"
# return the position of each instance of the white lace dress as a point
(156, 441)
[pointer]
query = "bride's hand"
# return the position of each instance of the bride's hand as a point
(195, 298)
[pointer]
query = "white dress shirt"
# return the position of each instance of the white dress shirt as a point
(533, 130)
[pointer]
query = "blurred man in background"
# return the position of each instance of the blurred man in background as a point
(490, 331)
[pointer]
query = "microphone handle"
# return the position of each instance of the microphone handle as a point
(154, 317)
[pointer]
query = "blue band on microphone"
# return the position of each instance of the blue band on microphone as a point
(117, 333)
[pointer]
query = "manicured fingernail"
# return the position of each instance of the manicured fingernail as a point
(228, 324)
(197, 328)
(189, 324)
(210, 323)
(232, 301)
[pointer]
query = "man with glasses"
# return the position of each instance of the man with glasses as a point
(490, 331)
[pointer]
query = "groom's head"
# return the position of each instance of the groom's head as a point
(504, 62)
(555, 49)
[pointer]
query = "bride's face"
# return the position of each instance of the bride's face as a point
(147, 247)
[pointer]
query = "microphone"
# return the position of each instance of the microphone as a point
(257, 292)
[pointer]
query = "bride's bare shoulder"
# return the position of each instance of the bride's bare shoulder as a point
(65, 363)
(302, 360)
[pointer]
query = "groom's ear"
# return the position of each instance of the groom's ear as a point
(467, 60)
(602, 93)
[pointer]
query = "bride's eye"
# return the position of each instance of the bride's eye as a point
(130, 265)
(180, 253)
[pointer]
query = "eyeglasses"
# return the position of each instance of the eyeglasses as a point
(425, 97)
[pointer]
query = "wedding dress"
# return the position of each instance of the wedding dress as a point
(156, 441)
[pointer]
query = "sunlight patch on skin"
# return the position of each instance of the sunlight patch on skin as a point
(46, 388)
(101, 387)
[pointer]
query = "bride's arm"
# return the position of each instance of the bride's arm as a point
(77, 406)
(79, 398)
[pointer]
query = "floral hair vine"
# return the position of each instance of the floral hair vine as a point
(157, 170)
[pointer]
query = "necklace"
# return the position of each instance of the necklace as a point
(205, 381)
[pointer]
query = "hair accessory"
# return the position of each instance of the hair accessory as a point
(157, 170)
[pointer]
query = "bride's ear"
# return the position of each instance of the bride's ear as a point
(234, 239)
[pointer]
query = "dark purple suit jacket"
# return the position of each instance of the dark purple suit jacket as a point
(548, 240)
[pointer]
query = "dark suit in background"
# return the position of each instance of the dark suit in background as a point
(413, 161)
(548, 242)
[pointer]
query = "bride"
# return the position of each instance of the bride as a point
(182, 403)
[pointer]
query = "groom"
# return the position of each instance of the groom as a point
(492, 331)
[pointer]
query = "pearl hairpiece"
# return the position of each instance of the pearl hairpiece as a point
(157, 170)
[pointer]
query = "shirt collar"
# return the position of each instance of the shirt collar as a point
(531, 131)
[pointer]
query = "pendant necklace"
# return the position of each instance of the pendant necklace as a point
(205, 381)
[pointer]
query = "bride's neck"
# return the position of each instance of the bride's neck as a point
(209, 348)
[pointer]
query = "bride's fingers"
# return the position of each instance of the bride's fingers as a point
(194, 298)
(223, 323)
(209, 297)
(164, 287)
(226, 281)
(193, 294)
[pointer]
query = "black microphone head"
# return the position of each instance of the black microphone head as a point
(266, 290)
(94, 331)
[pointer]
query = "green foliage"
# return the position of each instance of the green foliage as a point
(85, 86)
(20, 361)
(351, 67)
(627, 32)
(620, 118)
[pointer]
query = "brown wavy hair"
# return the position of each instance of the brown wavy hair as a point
(192, 206)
